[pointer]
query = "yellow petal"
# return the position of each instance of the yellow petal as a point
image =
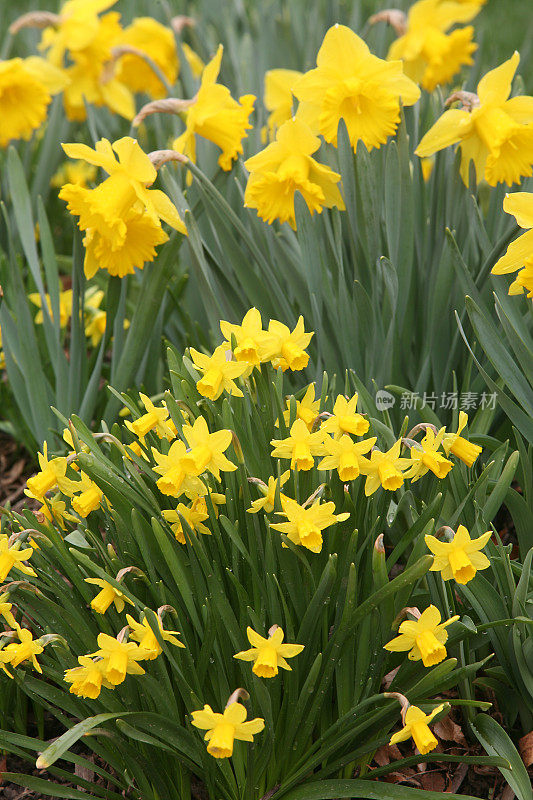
(520, 205)
(495, 86)
(446, 131)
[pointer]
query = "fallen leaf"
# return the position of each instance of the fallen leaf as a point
(525, 745)
(433, 781)
(384, 755)
(448, 730)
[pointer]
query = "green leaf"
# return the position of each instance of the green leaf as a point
(70, 737)
(496, 742)
(362, 790)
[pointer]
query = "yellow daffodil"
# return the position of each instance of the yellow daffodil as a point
(207, 449)
(384, 469)
(216, 116)
(65, 307)
(84, 40)
(89, 497)
(307, 409)
(285, 167)
(345, 418)
(5, 610)
(77, 172)
(179, 474)
(74, 29)
(12, 557)
(157, 42)
(268, 654)
(87, 679)
(350, 83)
(286, 348)
(426, 458)
(344, 455)
(109, 594)
(458, 445)
(249, 337)
(155, 419)
(305, 525)
(269, 494)
(121, 217)
(416, 725)
(278, 96)
(26, 89)
(424, 637)
(461, 558)
(26, 649)
(55, 511)
(493, 131)
(300, 446)
(141, 632)
(193, 515)
(430, 55)
(119, 658)
(223, 729)
(219, 372)
(519, 255)
(52, 474)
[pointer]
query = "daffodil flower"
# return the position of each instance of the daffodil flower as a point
(461, 557)
(268, 654)
(223, 729)
(416, 725)
(424, 637)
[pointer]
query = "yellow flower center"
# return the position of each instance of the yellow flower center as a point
(90, 684)
(221, 741)
(348, 466)
(87, 501)
(171, 481)
(461, 566)
(266, 664)
(423, 738)
(465, 450)
(198, 458)
(117, 666)
(103, 599)
(310, 536)
(295, 357)
(301, 456)
(432, 651)
(438, 465)
(41, 483)
(389, 476)
(145, 424)
(494, 127)
(354, 424)
(248, 351)
(211, 382)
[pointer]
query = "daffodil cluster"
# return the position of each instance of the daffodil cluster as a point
(193, 469)
(93, 60)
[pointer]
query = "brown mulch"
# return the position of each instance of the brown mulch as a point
(16, 466)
